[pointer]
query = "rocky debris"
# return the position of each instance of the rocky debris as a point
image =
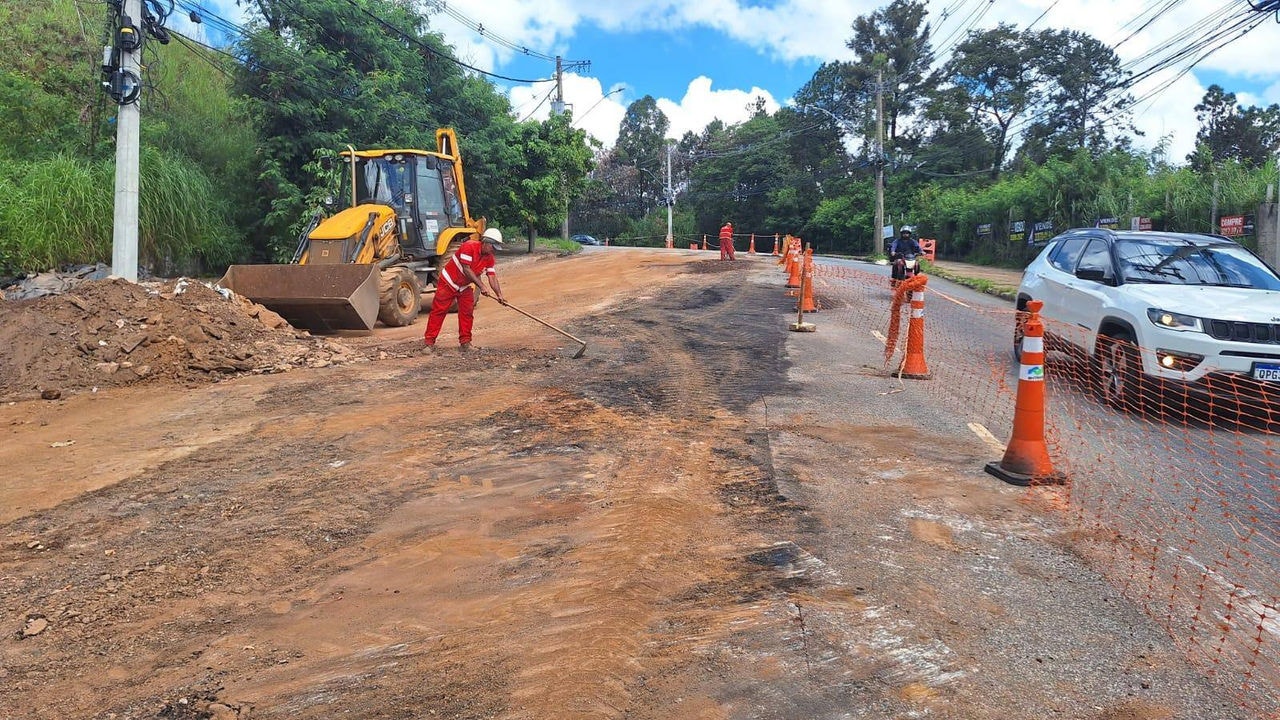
(36, 624)
(112, 333)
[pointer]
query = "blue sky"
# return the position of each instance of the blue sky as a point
(709, 59)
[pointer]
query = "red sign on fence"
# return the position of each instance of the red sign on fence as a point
(1231, 225)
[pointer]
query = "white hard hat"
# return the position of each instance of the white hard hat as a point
(493, 235)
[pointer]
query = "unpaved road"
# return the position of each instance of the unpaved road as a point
(690, 522)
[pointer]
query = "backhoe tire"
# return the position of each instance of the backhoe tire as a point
(399, 296)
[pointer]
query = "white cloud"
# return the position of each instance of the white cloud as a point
(810, 30)
(700, 105)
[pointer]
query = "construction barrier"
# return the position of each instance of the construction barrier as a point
(929, 247)
(1172, 495)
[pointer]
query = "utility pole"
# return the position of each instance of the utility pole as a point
(124, 236)
(671, 197)
(879, 229)
(558, 108)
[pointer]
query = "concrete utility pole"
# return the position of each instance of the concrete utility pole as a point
(671, 197)
(124, 236)
(879, 230)
(1267, 223)
(557, 108)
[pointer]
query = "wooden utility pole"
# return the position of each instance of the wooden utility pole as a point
(879, 229)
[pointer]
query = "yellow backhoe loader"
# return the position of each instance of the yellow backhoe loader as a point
(371, 260)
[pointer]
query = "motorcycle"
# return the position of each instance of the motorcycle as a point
(905, 267)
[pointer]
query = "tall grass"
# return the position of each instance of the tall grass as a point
(59, 210)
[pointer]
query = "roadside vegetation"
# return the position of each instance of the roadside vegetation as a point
(1013, 127)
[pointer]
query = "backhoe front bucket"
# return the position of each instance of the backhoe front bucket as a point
(319, 298)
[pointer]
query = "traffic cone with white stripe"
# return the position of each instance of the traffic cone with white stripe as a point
(775, 245)
(751, 247)
(806, 304)
(1026, 457)
(794, 267)
(914, 366)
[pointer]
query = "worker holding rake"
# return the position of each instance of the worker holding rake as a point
(471, 260)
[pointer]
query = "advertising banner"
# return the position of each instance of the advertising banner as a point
(1231, 225)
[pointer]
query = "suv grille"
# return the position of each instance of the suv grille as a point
(1245, 332)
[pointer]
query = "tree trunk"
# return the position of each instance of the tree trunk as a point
(533, 236)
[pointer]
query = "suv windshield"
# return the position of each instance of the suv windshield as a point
(1219, 264)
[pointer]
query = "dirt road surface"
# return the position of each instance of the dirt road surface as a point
(702, 518)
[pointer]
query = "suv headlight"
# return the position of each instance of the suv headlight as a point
(1174, 321)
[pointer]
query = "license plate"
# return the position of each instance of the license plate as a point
(1266, 371)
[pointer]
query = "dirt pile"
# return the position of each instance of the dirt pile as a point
(112, 333)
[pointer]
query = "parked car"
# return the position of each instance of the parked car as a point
(1151, 310)
(585, 240)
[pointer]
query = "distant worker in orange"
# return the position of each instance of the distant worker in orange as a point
(726, 242)
(471, 260)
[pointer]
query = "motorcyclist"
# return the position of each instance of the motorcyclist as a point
(903, 251)
(905, 245)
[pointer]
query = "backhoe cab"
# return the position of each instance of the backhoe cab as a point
(370, 260)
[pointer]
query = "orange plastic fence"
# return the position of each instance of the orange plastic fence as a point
(1174, 497)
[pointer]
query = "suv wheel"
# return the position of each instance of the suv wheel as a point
(1117, 370)
(1019, 330)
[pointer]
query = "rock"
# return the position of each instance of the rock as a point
(211, 332)
(142, 371)
(108, 368)
(271, 319)
(35, 626)
(50, 394)
(131, 342)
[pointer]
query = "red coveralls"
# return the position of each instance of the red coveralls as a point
(453, 283)
(726, 242)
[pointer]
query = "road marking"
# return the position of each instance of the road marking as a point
(948, 297)
(883, 340)
(985, 436)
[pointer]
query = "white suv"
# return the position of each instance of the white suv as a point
(1149, 309)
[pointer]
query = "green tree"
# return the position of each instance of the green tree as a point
(893, 40)
(1085, 104)
(547, 163)
(1230, 131)
(991, 81)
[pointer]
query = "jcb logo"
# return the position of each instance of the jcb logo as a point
(386, 227)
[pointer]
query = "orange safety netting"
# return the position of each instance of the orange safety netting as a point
(1174, 495)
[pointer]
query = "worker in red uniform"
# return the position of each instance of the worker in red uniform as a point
(471, 260)
(726, 242)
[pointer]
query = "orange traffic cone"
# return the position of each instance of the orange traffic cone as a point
(775, 244)
(704, 242)
(806, 304)
(793, 268)
(914, 367)
(1026, 457)
(751, 246)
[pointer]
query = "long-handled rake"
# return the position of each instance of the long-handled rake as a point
(582, 343)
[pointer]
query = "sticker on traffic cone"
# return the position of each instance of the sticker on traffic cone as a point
(1026, 457)
(806, 303)
(914, 366)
